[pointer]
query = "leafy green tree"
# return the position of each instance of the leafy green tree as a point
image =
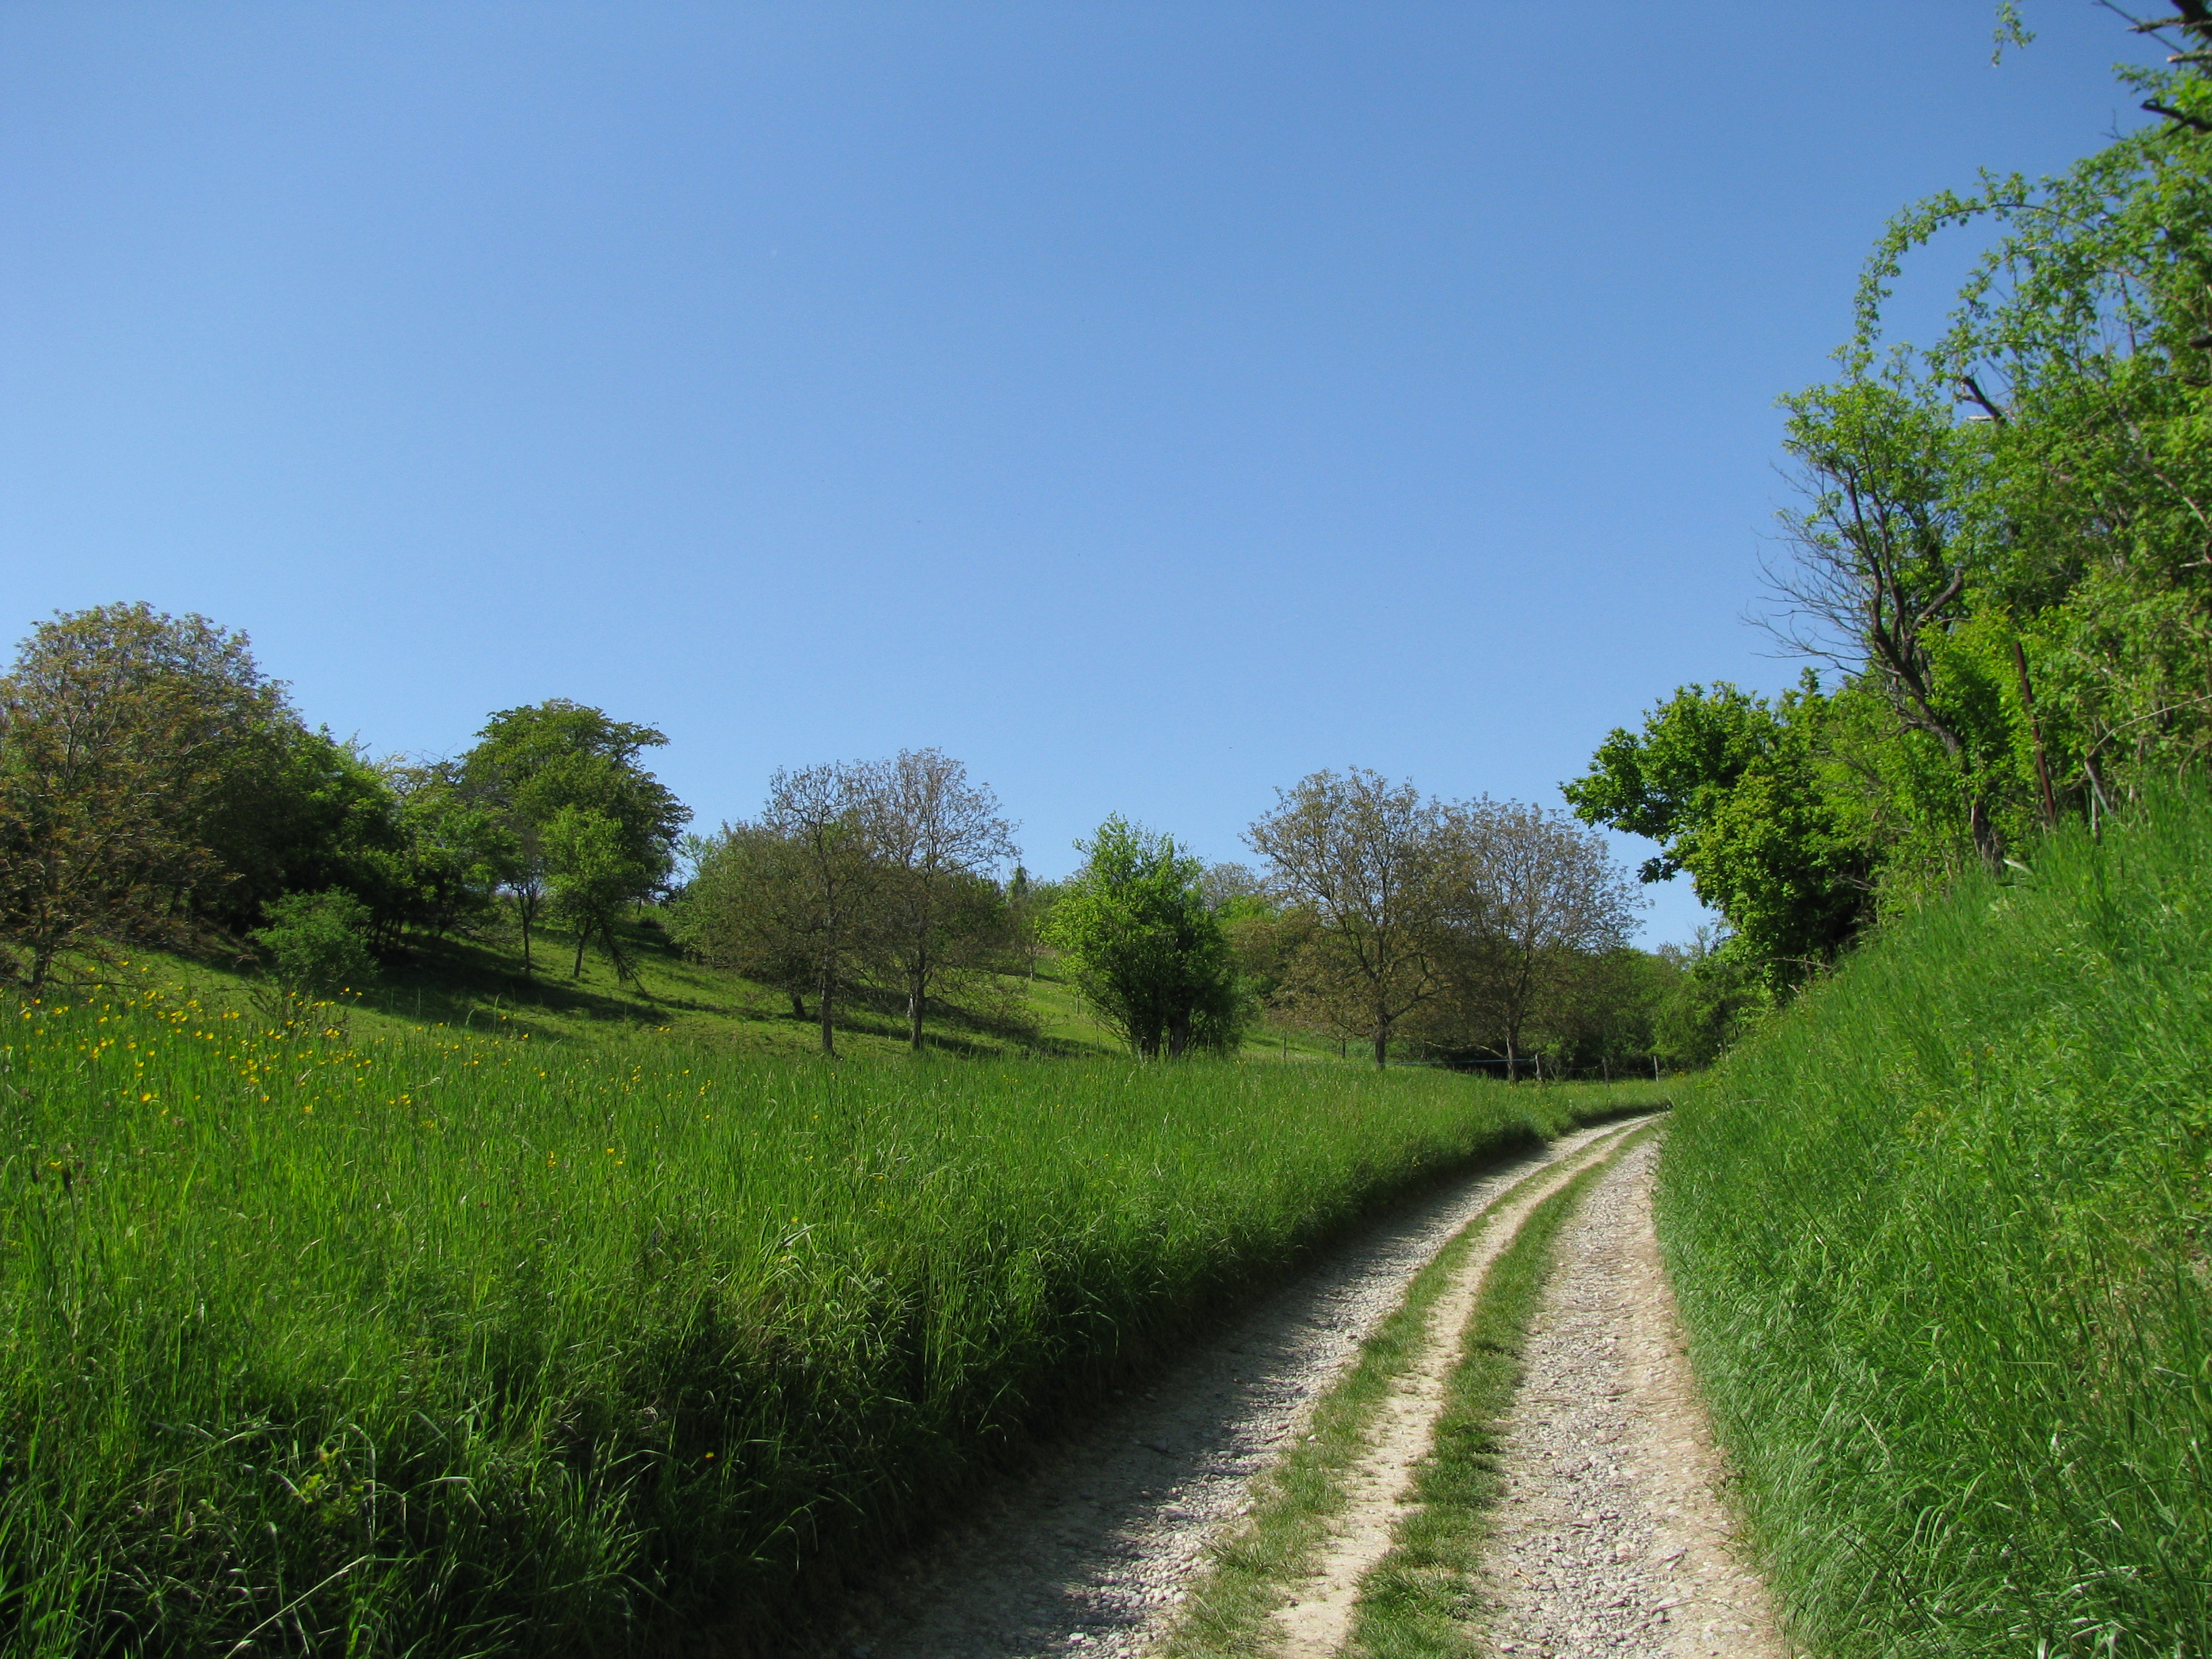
(294, 810)
(580, 819)
(1134, 925)
(593, 873)
(1605, 1016)
(1884, 558)
(1029, 905)
(316, 945)
(1713, 997)
(118, 725)
(457, 851)
(747, 908)
(2008, 534)
(1731, 785)
(2003, 545)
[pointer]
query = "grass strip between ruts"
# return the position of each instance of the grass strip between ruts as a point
(1227, 1614)
(1419, 1600)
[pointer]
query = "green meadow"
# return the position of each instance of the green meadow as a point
(347, 1335)
(477, 984)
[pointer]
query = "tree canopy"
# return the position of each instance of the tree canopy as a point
(582, 821)
(2000, 550)
(1148, 951)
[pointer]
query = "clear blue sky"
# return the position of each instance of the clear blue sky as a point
(1148, 403)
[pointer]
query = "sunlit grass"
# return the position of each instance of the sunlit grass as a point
(1941, 1235)
(436, 1343)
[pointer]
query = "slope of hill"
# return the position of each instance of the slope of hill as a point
(437, 1342)
(478, 984)
(1941, 1234)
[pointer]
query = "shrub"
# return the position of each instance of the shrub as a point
(316, 945)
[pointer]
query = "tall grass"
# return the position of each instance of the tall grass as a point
(1940, 1237)
(446, 1345)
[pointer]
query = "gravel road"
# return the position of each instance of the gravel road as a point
(1613, 1537)
(1090, 1552)
(1378, 1489)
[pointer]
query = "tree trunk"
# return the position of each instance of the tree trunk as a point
(1512, 1061)
(1381, 1045)
(583, 937)
(2035, 731)
(1988, 840)
(523, 906)
(797, 1004)
(1178, 1036)
(828, 1030)
(913, 1004)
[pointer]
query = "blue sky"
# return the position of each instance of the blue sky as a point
(1148, 403)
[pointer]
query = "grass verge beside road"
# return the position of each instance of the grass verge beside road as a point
(1939, 1235)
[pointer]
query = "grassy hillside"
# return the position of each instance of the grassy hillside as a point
(432, 1342)
(1941, 1235)
(478, 984)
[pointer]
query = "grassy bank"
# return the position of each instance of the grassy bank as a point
(438, 1344)
(1941, 1236)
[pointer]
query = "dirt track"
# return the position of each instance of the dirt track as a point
(1092, 1551)
(1612, 1539)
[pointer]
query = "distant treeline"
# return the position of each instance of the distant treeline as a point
(2001, 552)
(156, 788)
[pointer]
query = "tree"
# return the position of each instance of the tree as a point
(1553, 904)
(2007, 544)
(831, 877)
(455, 850)
(1028, 907)
(746, 909)
(1883, 557)
(940, 840)
(1604, 1016)
(316, 943)
(1382, 876)
(1228, 885)
(117, 724)
(593, 872)
(297, 811)
(1712, 998)
(1145, 949)
(581, 822)
(1734, 788)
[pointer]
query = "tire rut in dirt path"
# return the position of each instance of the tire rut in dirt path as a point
(1090, 1551)
(1378, 1490)
(1612, 1537)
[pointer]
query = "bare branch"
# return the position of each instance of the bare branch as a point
(1975, 394)
(2195, 123)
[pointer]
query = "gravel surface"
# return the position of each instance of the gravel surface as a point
(1612, 1537)
(1091, 1550)
(1379, 1488)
